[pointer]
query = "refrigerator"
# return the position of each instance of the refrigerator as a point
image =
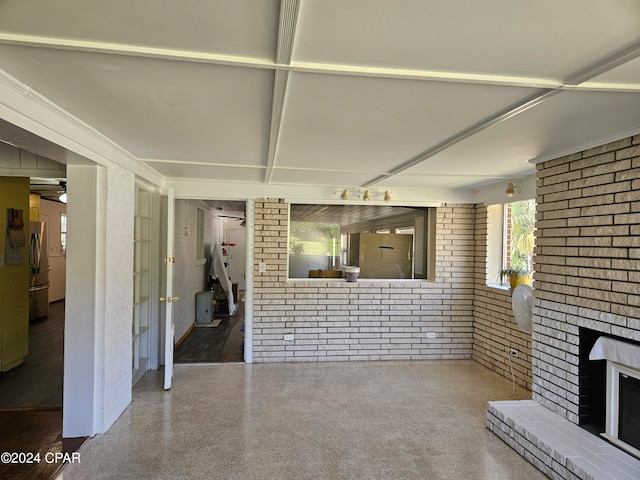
(39, 272)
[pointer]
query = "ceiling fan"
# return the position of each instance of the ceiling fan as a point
(49, 188)
(236, 217)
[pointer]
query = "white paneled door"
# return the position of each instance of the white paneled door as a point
(169, 299)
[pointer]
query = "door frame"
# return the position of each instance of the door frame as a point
(248, 297)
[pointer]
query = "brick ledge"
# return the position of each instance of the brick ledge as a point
(558, 448)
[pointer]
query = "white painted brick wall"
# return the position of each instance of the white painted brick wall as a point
(364, 320)
(118, 283)
(495, 332)
(587, 269)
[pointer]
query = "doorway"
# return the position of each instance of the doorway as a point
(37, 383)
(209, 279)
(31, 393)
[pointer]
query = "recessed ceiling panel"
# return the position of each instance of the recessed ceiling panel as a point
(208, 172)
(229, 27)
(157, 109)
(563, 124)
(375, 124)
(544, 39)
(626, 74)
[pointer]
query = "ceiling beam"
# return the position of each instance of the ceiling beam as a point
(287, 30)
(277, 107)
(286, 35)
(604, 66)
(494, 119)
(284, 62)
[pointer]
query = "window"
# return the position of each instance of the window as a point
(511, 238)
(520, 221)
(325, 238)
(63, 232)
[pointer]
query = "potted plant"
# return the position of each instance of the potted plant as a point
(516, 276)
(298, 248)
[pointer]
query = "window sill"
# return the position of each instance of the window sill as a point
(343, 280)
(499, 286)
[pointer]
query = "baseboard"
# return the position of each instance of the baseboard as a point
(183, 337)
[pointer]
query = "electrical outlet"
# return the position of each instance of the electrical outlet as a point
(431, 334)
(513, 352)
(288, 337)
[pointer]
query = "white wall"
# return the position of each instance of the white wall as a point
(189, 275)
(81, 331)
(97, 361)
(118, 294)
(57, 258)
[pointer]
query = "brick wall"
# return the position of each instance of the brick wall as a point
(495, 332)
(364, 320)
(587, 262)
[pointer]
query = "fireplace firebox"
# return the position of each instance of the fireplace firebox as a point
(622, 387)
(629, 415)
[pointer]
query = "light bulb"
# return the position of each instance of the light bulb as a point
(511, 190)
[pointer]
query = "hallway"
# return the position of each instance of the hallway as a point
(223, 343)
(305, 421)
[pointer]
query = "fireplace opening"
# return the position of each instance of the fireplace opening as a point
(621, 388)
(592, 386)
(629, 410)
(609, 389)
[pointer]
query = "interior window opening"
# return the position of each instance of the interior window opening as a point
(324, 239)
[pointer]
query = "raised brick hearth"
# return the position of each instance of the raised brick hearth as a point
(556, 446)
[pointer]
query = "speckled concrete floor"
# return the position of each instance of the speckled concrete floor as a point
(364, 420)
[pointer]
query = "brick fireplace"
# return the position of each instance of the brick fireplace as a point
(587, 279)
(587, 264)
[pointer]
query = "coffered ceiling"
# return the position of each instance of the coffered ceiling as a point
(370, 93)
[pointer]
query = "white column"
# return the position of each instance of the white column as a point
(80, 342)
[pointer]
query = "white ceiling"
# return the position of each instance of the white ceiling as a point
(410, 93)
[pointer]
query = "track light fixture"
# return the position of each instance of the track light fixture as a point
(366, 195)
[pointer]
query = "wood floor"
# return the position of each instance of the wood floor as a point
(31, 402)
(34, 431)
(37, 383)
(214, 344)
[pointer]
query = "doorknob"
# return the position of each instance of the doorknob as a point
(169, 299)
